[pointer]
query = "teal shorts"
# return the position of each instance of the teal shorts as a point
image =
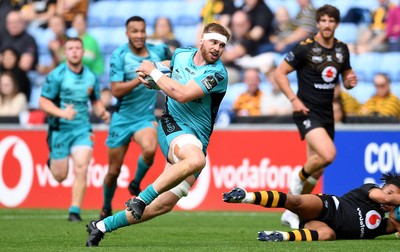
(60, 142)
(122, 129)
(168, 130)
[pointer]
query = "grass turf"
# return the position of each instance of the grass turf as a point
(48, 230)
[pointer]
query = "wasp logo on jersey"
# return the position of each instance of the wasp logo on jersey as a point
(209, 82)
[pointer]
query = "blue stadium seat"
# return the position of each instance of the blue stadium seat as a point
(100, 11)
(186, 35)
(390, 64)
(363, 91)
(365, 65)
(347, 32)
(395, 88)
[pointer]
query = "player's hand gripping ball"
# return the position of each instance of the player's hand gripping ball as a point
(164, 69)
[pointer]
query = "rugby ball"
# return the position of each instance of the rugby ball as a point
(397, 213)
(164, 69)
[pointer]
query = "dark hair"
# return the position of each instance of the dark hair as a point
(13, 79)
(329, 10)
(134, 19)
(215, 27)
(15, 52)
(391, 179)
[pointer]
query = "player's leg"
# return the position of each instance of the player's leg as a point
(115, 161)
(81, 156)
(321, 152)
(118, 139)
(146, 138)
(161, 205)
(187, 153)
(59, 168)
(59, 154)
(312, 231)
(307, 206)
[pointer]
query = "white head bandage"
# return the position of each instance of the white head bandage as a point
(216, 36)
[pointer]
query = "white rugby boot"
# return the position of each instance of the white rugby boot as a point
(290, 219)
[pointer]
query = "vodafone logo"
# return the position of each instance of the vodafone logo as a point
(373, 219)
(11, 197)
(199, 191)
(329, 74)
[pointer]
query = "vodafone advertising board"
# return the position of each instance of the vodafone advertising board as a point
(255, 160)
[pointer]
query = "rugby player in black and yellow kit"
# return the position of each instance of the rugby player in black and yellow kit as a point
(358, 214)
(318, 62)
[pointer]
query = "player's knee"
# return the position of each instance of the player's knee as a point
(113, 172)
(181, 190)
(326, 234)
(330, 157)
(148, 154)
(197, 163)
(59, 176)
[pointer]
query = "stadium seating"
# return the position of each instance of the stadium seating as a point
(106, 22)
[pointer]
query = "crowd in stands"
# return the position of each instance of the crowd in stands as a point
(32, 34)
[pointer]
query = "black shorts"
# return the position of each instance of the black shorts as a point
(306, 123)
(328, 213)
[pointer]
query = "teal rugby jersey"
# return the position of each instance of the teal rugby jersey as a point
(213, 80)
(63, 86)
(140, 102)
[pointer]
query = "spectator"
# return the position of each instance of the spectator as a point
(281, 27)
(5, 8)
(373, 37)
(163, 33)
(393, 29)
(239, 45)
(38, 12)
(348, 105)
(219, 11)
(303, 25)
(18, 38)
(12, 102)
(249, 102)
(67, 9)
(261, 18)
(275, 103)
(162, 30)
(384, 103)
(10, 62)
(56, 45)
(93, 58)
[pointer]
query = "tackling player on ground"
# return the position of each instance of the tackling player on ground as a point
(358, 214)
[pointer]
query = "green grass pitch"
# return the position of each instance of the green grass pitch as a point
(48, 230)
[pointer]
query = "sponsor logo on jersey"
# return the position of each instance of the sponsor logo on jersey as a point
(289, 57)
(209, 82)
(329, 74)
(373, 219)
(317, 59)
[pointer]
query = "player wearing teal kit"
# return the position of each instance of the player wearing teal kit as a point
(65, 96)
(194, 93)
(134, 117)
